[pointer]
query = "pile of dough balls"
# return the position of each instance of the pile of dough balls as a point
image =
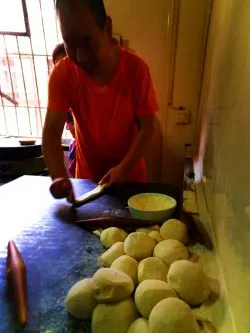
(146, 284)
(174, 229)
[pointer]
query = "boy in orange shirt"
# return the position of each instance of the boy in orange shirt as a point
(112, 97)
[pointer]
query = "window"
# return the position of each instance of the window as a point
(27, 39)
(28, 36)
(13, 16)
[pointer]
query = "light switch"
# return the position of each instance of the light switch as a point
(183, 116)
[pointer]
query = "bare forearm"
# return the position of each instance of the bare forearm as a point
(53, 155)
(139, 146)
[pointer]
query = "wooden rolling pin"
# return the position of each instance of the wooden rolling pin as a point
(17, 282)
(119, 222)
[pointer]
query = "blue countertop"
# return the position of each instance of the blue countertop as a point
(57, 253)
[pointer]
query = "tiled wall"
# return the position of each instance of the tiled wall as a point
(226, 98)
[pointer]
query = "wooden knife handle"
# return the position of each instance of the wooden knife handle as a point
(119, 222)
(16, 275)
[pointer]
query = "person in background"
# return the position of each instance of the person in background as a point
(112, 97)
(58, 54)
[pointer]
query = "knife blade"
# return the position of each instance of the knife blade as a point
(119, 222)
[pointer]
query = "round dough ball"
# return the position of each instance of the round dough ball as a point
(79, 301)
(149, 229)
(170, 251)
(155, 228)
(111, 285)
(146, 230)
(152, 269)
(114, 252)
(174, 229)
(139, 245)
(127, 265)
(156, 236)
(97, 232)
(189, 281)
(149, 293)
(112, 235)
(140, 325)
(114, 318)
(172, 315)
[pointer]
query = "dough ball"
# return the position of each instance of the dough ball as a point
(111, 285)
(152, 269)
(112, 235)
(149, 293)
(189, 281)
(114, 252)
(174, 229)
(139, 326)
(170, 250)
(79, 301)
(114, 318)
(156, 236)
(146, 230)
(127, 265)
(172, 315)
(139, 245)
(149, 229)
(97, 232)
(155, 228)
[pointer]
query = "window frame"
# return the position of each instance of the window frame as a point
(26, 33)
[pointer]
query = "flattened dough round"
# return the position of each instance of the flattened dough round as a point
(149, 293)
(139, 245)
(156, 236)
(127, 265)
(110, 285)
(140, 325)
(79, 301)
(114, 318)
(174, 229)
(170, 250)
(189, 281)
(152, 269)
(172, 315)
(114, 252)
(112, 235)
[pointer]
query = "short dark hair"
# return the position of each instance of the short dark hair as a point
(58, 50)
(96, 6)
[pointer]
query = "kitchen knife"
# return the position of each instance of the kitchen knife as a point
(119, 222)
(89, 195)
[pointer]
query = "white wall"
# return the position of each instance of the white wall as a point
(145, 24)
(226, 99)
(191, 45)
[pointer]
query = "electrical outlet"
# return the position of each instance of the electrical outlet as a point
(183, 117)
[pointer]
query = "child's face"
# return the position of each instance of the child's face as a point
(70, 127)
(59, 57)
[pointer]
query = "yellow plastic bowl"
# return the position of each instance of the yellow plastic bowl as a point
(152, 206)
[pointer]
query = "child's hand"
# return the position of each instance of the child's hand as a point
(62, 188)
(116, 175)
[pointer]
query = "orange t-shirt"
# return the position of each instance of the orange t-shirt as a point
(105, 117)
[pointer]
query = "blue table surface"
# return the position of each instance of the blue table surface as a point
(56, 252)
